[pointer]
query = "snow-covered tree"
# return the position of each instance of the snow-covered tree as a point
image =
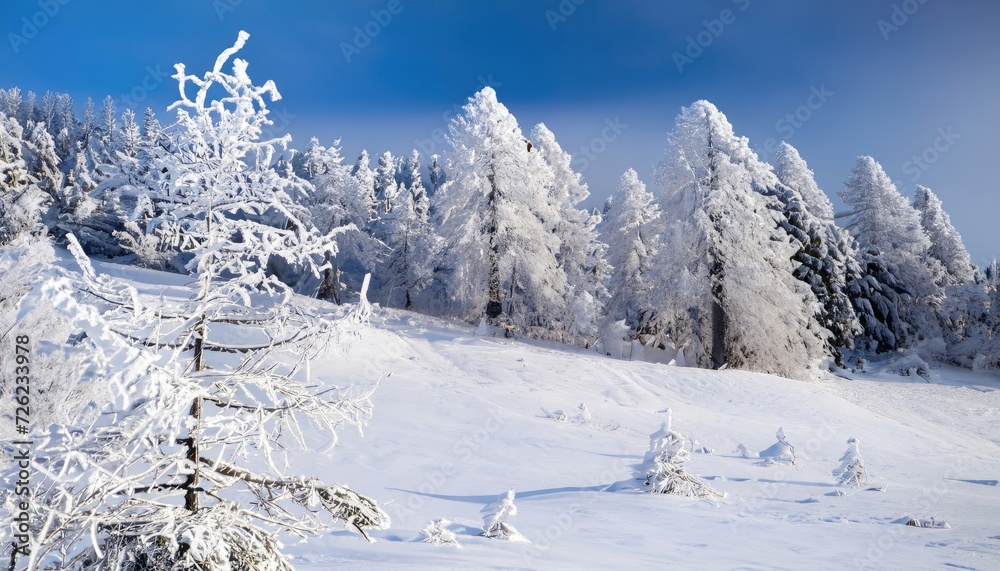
(502, 256)
(436, 174)
(882, 219)
(22, 203)
(338, 201)
(580, 255)
(662, 469)
(728, 295)
(413, 245)
(365, 177)
(108, 130)
(875, 294)
(793, 172)
(945, 242)
(852, 470)
(495, 516)
(225, 392)
(780, 451)
(129, 136)
(437, 533)
(823, 251)
(630, 230)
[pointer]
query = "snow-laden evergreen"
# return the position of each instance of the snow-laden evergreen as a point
(495, 516)
(494, 216)
(883, 221)
(581, 257)
(723, 264)
(852, 471)
(22, 202)
(662, 468)
(822, 250)
(630, 231)
(945, 242)
(406, 230)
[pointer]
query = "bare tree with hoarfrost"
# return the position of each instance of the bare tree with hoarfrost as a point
(630, 231)
(728, 295)
(224, 389)
(502, 257)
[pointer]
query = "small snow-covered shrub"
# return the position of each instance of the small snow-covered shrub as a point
(437, 533)
(780, 451)
(662, 468)
(495, 517)
(852, 470)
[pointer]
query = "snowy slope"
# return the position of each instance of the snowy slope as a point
(459, 421)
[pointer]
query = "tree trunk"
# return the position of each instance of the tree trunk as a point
(717, 268)
(191, 483)
(494, 306)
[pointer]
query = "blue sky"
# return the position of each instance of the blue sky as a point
(899, 78)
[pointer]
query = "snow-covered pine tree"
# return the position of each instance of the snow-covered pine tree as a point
(875, 294)
(386, 184)
(22, 202)
(728, 295)
(630, 230)
(338, 202)
(129, 136)
(436, 175)
(493, 215)
(822, 250)
(580, 255)
(662, 469)
(945, 242)
(852, 470)
(365, 177)
(166, 477)
(495, 516)
(43, 163)
(437, 533)
(107, 131)
(413, 245)
(880, 218)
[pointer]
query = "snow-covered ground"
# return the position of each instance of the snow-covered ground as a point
(459, 420)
